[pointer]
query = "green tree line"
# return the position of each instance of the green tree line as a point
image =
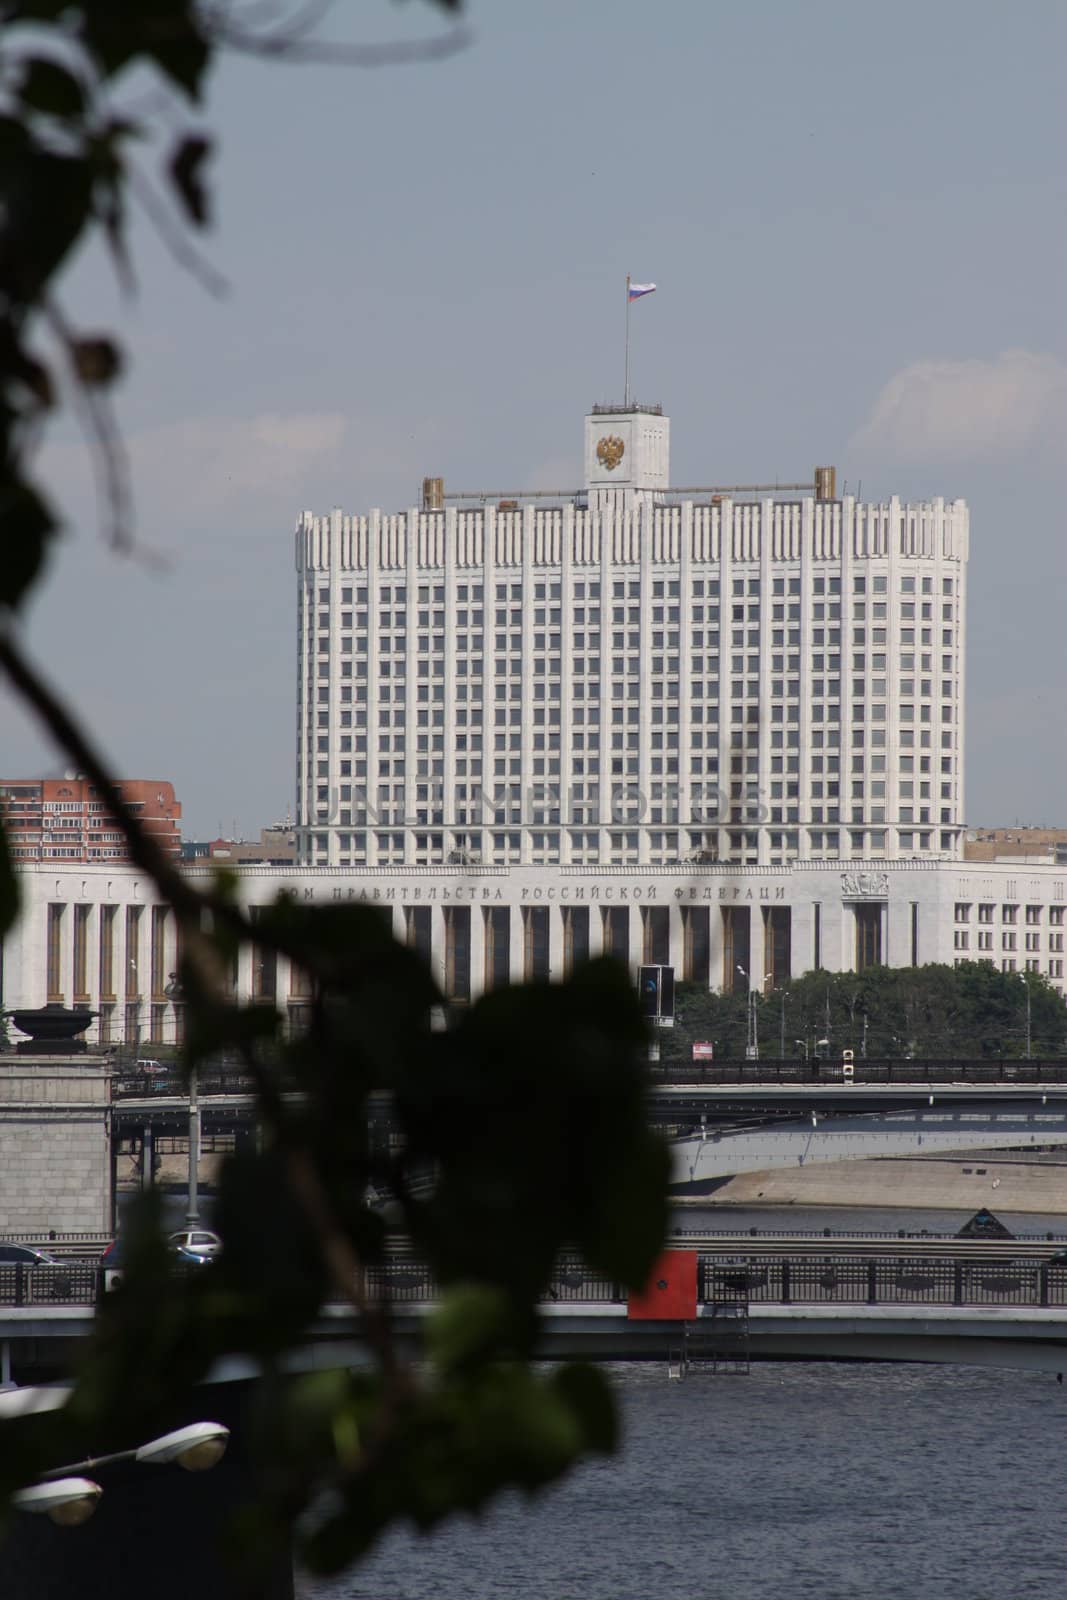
(934, 1011)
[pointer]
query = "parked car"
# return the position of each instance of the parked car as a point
(185, 1257)
(26, 1254)
(198, 1241)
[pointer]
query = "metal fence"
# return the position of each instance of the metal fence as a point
(1020, 1071)
(68, 1283)
(774, 1280)
(899, 1281)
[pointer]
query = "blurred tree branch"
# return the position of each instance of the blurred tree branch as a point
(533, 1097)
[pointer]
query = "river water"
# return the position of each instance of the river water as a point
(793, 1482)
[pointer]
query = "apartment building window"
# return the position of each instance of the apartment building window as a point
(1009, 914)
(961, 939)
(1007, 941)
(986, 913)
(1033, 916)
(963, 913)
(985, 941)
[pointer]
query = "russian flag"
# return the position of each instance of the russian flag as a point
(638, 289)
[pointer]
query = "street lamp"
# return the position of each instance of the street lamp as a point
(68, 1497)
(1025, 979)
(803, 1043)
(173, 991)
(752, 1043)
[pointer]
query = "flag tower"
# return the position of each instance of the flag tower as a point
(634, 291)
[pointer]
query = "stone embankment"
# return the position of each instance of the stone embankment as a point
(1000, 1182)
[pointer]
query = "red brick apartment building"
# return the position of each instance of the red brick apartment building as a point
(63, 819)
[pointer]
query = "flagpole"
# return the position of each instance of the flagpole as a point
(626, 384)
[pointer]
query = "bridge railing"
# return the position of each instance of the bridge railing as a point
(777, 1280)
(68, 1283)
(684, 1071)
(152, 1085)
(849, 1281)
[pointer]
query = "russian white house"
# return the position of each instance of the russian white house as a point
(631, 674)
(720, 729)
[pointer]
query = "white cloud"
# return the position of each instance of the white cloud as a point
(967, 410)
(210, 473)
(216, 465)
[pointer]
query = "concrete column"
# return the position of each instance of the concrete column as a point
(555, 943)
(716, 943)
(245, 957)
(677, 935)
(437, 946)
(596, 931)
(516, 934)
(756, 971)
(477, 950)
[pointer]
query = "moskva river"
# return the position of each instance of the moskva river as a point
(828, 1481)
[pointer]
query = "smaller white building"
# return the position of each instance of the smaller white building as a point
(99, 937)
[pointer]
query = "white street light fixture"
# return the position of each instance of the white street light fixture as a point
(196, 1448)
(69, 1498)
(68, 1501)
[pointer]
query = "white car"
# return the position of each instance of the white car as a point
(198, 1242)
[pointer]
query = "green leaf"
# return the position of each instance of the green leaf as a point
(97, 361)
(187, 177)
(473, 1323)
(26, 525)
(166, 32)
(9, 884)
(586, 1391)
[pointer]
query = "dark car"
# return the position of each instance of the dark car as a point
(27, 1255)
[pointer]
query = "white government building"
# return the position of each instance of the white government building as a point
(716, 728)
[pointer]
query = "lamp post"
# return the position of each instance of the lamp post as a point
(803, 1043)
(173, 991)
(69, 1497)
(1025, 979)
(752, 1043)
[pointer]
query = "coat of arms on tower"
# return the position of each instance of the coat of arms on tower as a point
(610, 451)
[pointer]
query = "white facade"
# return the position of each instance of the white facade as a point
(626, 674)
(99, 937)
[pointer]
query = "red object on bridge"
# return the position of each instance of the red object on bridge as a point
(671, 1292)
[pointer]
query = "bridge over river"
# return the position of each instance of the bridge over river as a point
(733, 1117)
(999, 1303)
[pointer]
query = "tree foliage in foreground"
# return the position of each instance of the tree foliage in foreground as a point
(519, 1130)
(935, 1011)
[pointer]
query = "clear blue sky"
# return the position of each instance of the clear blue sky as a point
(856, 217)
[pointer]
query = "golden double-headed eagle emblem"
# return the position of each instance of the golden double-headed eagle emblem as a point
(610, 451)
